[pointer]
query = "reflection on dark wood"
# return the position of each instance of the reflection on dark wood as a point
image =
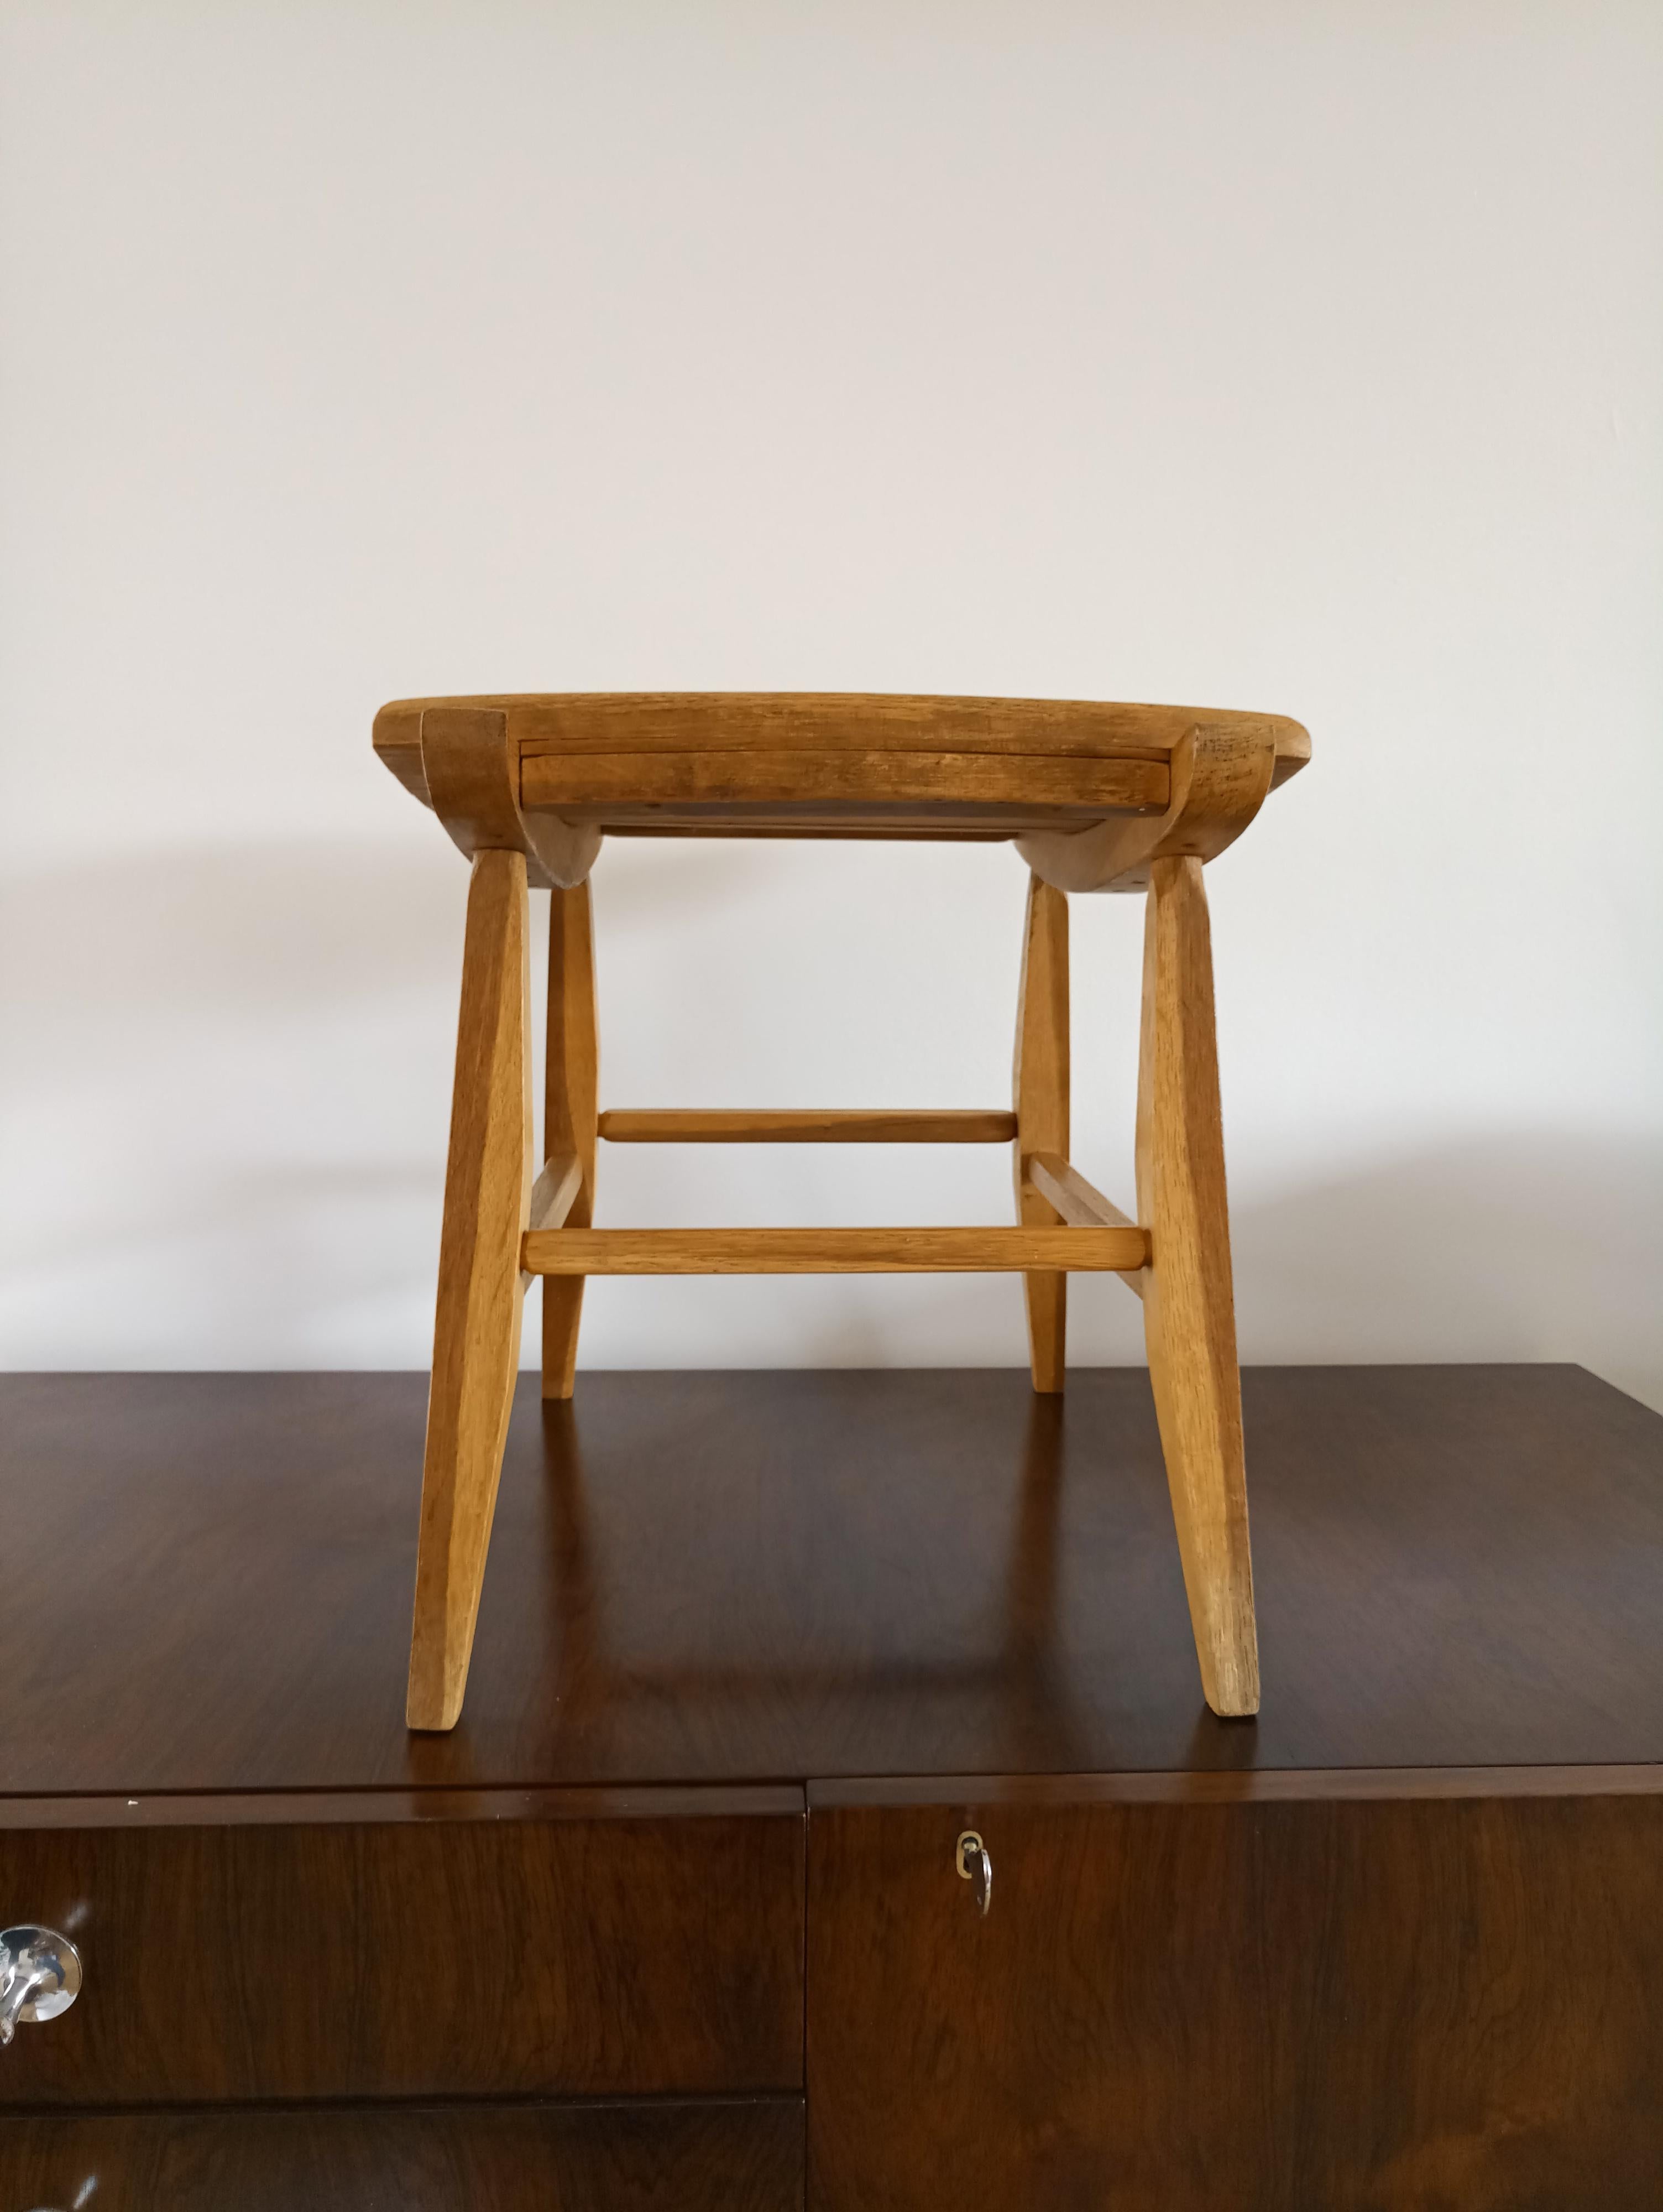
(419, 1957)
(780, 1574)
(592, 1682)
(619, 2158)
(1354, 2006)
(1392, 1948)
(573, 1631)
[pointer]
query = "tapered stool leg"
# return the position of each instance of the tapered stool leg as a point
(1189, 1315)
(1040, 1087)
(476, 1352)
(570, 1101)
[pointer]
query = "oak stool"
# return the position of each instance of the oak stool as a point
(1096, 797)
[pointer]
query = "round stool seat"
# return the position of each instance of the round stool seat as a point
(1097, 798)
(831, 764)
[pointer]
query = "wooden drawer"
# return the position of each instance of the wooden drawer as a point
(582, 1942)
(1320, 1993)
(706, 2157)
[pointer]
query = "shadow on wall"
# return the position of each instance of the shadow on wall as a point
(218, 931)
(1544, 1245)
(1528, 1244)
(227, 1093)
(223, 930)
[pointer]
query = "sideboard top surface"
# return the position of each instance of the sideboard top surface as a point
(705, 1577)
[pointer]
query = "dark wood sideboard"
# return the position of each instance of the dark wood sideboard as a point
(673, 1919)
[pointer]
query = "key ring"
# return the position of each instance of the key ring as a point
(975, 1866)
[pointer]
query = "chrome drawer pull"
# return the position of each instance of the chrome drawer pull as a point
(40, 1977)
(976, 1866)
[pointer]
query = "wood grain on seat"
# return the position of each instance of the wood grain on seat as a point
(829, 763)
(1098, 796)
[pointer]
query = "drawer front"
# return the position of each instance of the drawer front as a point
(714, 2157)
(649, 1946)
(1380, 2006)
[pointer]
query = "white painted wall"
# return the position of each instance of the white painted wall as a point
(1307, 356)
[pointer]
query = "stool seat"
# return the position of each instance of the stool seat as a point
(831, 764)
(1097, 797)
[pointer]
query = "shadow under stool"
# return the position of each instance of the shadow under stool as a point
(1096, 797)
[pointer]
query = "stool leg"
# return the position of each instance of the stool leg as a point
(476, 1351)
(1040, 1086)
(571, 1095)
(1189, 1317)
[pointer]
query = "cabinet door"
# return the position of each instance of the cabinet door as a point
(554, 1943)
(714, 2157)
(1276, 1994)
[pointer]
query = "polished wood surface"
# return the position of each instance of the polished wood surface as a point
(1393, 1946)
(1098, 798)
(1358, 2006)
(774, 1576)
(570, 1114)
(1189, 1305)
(835, 1125)
(1079, 1203)
(829, 1251)
(715, 2156)
(554, 1193)
(574, 1950)
(566, 722)
(815, 764)
(1071, 1196)
(469, 772)
(616, 788)
(476, 1348)
(1039, 1090)
(549, 774)
(1220, 778)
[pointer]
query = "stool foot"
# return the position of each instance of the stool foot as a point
(476, 1352)
(1039, 1094)
(1189, 1316)
(571, 1098)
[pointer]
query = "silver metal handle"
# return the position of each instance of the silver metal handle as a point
(40, 1977)
(976, 1866)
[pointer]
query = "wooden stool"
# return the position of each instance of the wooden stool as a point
(1097, 798)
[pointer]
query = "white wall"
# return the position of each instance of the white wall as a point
(1306, 357)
